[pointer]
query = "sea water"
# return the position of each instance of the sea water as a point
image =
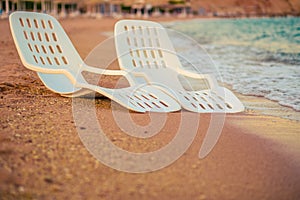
(259, 56)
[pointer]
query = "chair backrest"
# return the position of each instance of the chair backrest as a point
(144, 44)
(44, 46)
(41, 41)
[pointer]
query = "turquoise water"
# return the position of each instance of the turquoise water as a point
(258, 57)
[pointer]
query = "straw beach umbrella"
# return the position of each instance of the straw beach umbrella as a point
(104, 7)
(63, 10)
(157, 4)
(146, 5)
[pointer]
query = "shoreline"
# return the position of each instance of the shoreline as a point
(42, 156)
(268, 107)
(261, 106)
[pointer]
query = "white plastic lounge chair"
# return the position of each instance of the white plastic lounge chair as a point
(44, 47)
(145, 47)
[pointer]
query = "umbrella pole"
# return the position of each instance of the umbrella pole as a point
(6, 6)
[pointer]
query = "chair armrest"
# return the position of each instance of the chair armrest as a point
(108, 72)
(209, 77)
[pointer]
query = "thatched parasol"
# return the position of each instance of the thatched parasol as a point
(144, 2)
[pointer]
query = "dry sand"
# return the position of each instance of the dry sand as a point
(42, 157)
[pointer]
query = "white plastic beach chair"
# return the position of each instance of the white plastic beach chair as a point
(145, 47)
(44, 47)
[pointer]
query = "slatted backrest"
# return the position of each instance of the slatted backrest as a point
(42, 42)
(144, 44)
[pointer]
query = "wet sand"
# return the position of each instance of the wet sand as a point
(42, 156)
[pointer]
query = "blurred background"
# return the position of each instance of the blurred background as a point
(154, 8)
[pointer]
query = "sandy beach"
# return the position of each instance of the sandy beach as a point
(42, 156)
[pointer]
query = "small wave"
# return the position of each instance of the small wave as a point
(282, 57)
